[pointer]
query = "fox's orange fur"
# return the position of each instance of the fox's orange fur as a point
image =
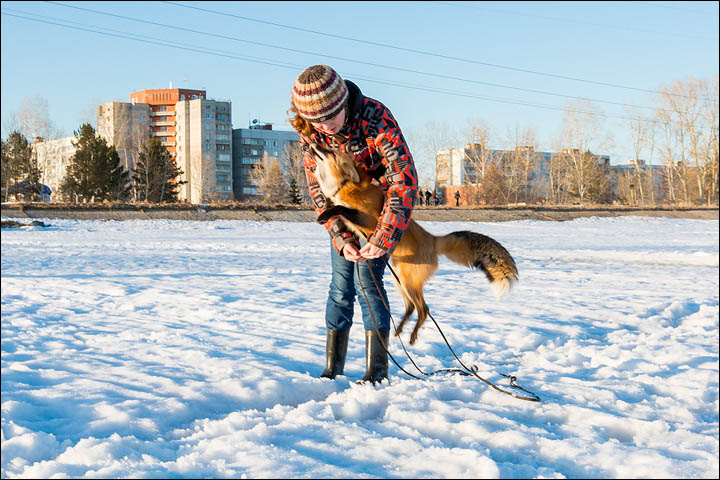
(415, 258)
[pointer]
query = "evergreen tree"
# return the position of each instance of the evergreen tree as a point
(19, 164)
(95, 172)
(156, 174)
(294, 193)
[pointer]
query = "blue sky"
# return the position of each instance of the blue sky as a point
(515, 65)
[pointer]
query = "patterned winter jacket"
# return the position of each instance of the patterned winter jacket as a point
(373, 137)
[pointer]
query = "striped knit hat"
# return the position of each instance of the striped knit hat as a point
(319, 93)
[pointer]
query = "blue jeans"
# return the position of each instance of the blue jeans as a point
(341, 299)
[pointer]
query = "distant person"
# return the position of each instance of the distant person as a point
(457, 198)
(427, 198)
(435, 199)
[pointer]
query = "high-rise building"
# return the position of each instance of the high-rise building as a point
(162, 111)
(204, 150)
(195, 131)
(251, 145)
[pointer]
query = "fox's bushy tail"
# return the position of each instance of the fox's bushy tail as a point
(476, 250)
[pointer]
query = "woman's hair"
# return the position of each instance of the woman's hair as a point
(302, 126)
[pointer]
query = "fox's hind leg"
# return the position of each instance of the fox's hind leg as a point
(411, 287)
(414, 300)
(409, 309)
(422, 315)
(409, 306)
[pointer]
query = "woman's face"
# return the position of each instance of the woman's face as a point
(331, 125)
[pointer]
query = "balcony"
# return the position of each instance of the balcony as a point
(167, 144)
(162, 113)
(162, 134)
(163, 124)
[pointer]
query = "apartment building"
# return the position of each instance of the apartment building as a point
(196, 133)
(467, 165)
(126, 126)
(203, 144)
(162, 111)
(250, 146)
(53, 157)
(463, 170)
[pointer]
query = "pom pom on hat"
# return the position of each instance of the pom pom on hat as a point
(319, 93)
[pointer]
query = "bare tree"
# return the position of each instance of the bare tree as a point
(269, 179)
(33, 120)
(688, 116)
(641, 182)
(711, 168)
(424, 145)
(89, 113)
(292, 159)
(475, 138)
(705, 142)
(495, 191)
(519, 163)
(121, 125)
(581, 135)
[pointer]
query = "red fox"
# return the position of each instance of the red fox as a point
(415, 259)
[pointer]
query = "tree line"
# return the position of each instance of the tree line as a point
(675, 160)
(94, 173)
(674, 155)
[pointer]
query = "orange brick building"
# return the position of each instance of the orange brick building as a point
(195, 131)
(163, 123)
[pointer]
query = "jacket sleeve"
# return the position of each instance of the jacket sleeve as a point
(401, 183)
(337, 229)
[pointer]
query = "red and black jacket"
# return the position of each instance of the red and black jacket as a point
(373, 137)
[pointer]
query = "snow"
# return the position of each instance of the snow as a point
(175, 349)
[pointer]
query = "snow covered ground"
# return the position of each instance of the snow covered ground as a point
(171, 349)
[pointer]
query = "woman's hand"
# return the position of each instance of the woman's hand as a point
(350, 252)
(370, 251)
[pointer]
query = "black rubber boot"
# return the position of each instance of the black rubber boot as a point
(376, 357)
(335, 352)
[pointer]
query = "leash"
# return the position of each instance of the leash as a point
(468, 371)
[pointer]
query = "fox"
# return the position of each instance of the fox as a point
(358, 201)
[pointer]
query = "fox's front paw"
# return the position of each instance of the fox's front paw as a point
(323, 218)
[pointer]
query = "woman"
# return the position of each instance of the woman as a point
(334, 114)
